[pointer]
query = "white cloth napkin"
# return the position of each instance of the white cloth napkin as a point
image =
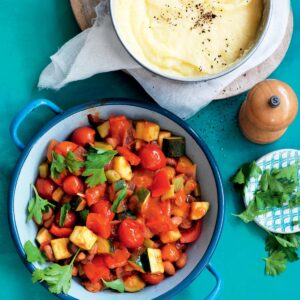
(98, 50)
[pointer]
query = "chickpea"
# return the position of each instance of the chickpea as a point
(81, 256)
(169, 252)
(186, 224)
(181, 262)
(169, 268)
(74, 271)
(92, 287)
(49, 222)
(47, 215)
(176, 220)
(49, 252)
(94, 249)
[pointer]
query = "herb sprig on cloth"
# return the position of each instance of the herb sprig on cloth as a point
(276, 188)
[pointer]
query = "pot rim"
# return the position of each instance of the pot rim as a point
(266, 18)
(151, 107)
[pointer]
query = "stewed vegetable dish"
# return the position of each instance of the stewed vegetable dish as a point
(116, 204)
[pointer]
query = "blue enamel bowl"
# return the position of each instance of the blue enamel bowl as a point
(199, 253)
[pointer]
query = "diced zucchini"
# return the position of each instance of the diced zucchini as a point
(178, 183)
(198, 210)
(185, 166)
(143, 194)
(147, 131)
(162, 135)
(170, 236)
(119, 185)
(102, 145)
(60, 248)
(174, 146)
(78, 203)
(148, 243)
(44, 169)
(133, 283)
(122, 166)
(83, 237)
(43, 236)
(58, 194)
(103, 129)
(169, 194)
(112, 176)
(104, 246)
(155, 260)
(197, 191)
(138, 144)
(83, 215)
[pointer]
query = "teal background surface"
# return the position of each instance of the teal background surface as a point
(31, 31)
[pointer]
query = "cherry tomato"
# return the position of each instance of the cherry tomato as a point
(191, 234)
(121, 129)
(96, 269)
(117, 259)
(102, 207)
(60, 232)
(153, 278)
(64, 147)
(170, 252)
(60, 179)
(83, 136)
(45, 188)
(69, 221)
(94, 194)
(160, 184)
(131, 233)
(152, 158)
(51, 146)
(72, 185)
(99, 225)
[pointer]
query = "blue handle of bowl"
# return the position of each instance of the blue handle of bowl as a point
(19, 118)
(213, 294)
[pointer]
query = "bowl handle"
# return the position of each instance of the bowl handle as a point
(213, 294)
(19, 118)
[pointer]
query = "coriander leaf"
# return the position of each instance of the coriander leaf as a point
(289, 173)
(291, 254)
(57, 165)
(283, 241)
(63, 213)
(83, 215)
(295, 223)
(120, 196)
(254, 170)
(37, 206)
(72, 163)
(294, 200)
(239, 177)
(56, 276)
(275, 263)
(251, 212)
(95, 166)
(264, 181)
(33, 254)
(117, 285)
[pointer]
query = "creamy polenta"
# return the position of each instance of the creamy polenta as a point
(188, 38)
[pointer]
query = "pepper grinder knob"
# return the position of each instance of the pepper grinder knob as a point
(270, 107)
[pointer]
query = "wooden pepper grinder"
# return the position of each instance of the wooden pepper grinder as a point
(270, 107)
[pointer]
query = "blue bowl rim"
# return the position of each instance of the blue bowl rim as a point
(152, 107)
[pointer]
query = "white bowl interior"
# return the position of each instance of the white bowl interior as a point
(28, 173)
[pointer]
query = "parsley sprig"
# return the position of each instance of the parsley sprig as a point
(37, 206)
(94, 166)
(277, 187)
(56, 276)
(33, 254)
(60, 164)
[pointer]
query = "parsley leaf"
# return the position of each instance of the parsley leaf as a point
(96, 160)
(56, 276)
(275, 263)
(72, 163)
(37, 206)
(120, 196)
(33, 254)
(63, 213)
(117, 285)
(57, 165)
(251, 212)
